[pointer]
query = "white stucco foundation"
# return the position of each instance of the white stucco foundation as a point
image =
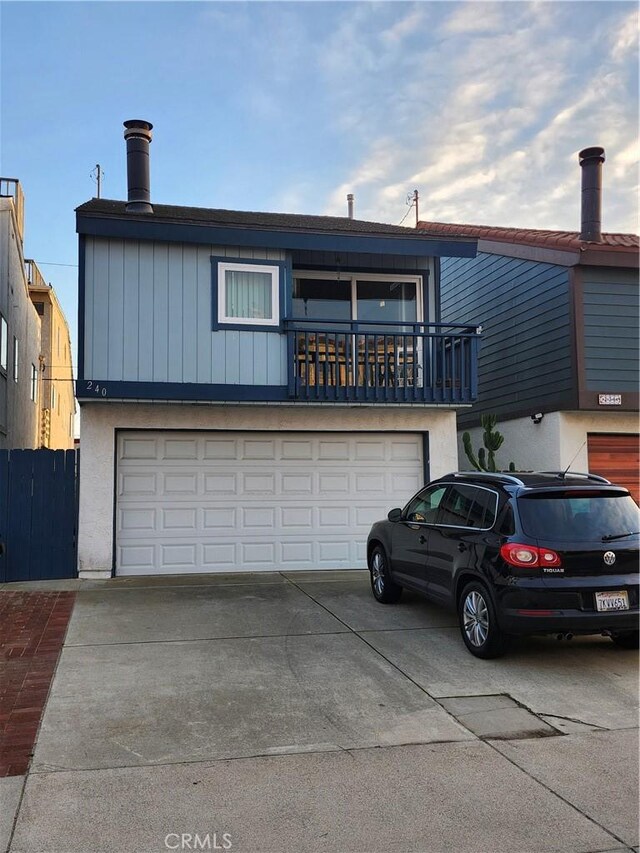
(101, 420)
(559, 440)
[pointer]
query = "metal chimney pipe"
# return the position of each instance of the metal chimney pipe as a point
(138, 136)
(350, 205)
(591, 160)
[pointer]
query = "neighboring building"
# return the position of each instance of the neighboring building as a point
(256, 388)
(559, 357)
(57, 398)
(19, 329)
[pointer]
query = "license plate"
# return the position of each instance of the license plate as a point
(612, 600)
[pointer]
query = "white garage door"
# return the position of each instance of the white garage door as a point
(215, 501)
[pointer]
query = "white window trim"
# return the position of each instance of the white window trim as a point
(4, 344)
(16, 359)
(273, 271)
(34, 384)
(352, 277)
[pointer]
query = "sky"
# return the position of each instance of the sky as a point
(289, 106)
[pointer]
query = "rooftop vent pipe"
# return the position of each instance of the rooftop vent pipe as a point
(350, 205)
(591, 160)
(138, 136)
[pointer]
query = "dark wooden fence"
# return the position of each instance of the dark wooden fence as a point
(38, 514)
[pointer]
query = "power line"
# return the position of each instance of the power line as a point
(52, 264)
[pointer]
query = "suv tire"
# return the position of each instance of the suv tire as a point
(384, 589)
(628, 640)
(478, 622)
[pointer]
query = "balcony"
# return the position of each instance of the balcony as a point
(383, 362)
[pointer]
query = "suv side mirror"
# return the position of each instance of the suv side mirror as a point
(394, 515)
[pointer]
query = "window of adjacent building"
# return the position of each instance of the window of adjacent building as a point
(39, 306)
(53, 397)
(248, 294)
(34, 382)
(16, 359)
(4, 343)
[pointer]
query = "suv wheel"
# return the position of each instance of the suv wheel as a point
(383, 588)
(478, 623)
(628, 640)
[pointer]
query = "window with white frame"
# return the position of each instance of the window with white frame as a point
(248, 294)
(16, 360)
(4, 343)
(34, 383)
(53, 396)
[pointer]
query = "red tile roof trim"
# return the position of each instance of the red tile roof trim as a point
(567, 240)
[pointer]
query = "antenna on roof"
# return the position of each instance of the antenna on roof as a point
(412, 199)
(564, 473)
(97, 174)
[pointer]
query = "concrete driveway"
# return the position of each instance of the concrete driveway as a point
(291, 712)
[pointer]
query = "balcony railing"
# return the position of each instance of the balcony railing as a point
(382, 362)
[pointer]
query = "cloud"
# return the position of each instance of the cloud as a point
(474, 17)
(488, 127)
(625, 38)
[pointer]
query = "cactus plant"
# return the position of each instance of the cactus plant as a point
(492, 440)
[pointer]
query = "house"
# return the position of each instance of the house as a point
(559, 359)
(57, 398)
(255, 388)
(19, 329)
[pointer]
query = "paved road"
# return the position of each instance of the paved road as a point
(294, 713)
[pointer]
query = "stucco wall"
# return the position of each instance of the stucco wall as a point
(552, 444)
(100, 420)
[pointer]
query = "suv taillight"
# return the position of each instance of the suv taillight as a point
(528, 556)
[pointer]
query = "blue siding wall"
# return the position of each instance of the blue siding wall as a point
(148, 318)
(611, 333)
(526, 359)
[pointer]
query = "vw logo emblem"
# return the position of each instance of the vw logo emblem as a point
(609, 558)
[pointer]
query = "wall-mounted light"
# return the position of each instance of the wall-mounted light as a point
(537, 418)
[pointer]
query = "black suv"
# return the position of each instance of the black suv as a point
(543, 553)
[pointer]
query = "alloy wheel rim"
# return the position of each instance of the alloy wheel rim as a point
(377, 573)
(475, 617)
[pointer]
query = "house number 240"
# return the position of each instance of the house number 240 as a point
(99, 390)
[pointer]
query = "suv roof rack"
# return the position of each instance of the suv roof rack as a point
(494, 475)
(562, 474)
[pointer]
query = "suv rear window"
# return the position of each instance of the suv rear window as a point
(585, 516)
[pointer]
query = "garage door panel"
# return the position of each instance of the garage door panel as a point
(246, 502)
(179, 518)
(219, 517)
(139, 448)
(616, 457)
(139, 520)
(258, 450)
(180, 448)
(333, 451)
(134, 484)
(220, 484)
(220, 448)
(217, 555)
(295, 517)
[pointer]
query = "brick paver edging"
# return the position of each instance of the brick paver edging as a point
(32, 631)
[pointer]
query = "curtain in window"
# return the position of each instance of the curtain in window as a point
(248, 294)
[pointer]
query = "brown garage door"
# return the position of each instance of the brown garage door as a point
(617, 458)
